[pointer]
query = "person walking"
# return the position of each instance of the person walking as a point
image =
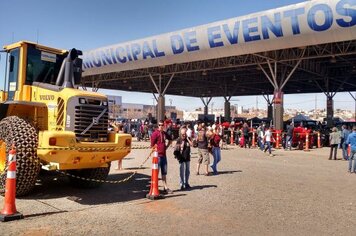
(163, 141)
(182, 154)
(334, 140)
(245, 131)
(288, 144)
(268, 139)
(216, 151)
(351, 140)
(344, 135)
(203, 152)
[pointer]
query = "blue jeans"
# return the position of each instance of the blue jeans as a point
(260, 143)
(268, 146)
(217, 158)
(288, 142)
(184, 172)
(162, 165)
(344, 151)
(352, 158)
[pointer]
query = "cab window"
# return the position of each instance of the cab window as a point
(42, 66)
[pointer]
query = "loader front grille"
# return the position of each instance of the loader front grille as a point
(86, 115)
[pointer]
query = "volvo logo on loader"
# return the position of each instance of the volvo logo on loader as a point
(46, 97)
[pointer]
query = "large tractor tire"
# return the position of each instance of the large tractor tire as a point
(91, 177)
(14, 130)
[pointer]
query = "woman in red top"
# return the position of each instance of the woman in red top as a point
(216, 151)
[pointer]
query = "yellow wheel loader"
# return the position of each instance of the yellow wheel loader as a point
(50, 122)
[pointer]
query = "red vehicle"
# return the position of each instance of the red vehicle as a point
(299, 137)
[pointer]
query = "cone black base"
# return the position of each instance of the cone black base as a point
(16, 216)
(153, 197)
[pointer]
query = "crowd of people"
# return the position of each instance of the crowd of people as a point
(208, 139)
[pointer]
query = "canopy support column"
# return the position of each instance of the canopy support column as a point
(206, 104)
(269, 106)
(329, 99)
(278, 81)
(227, 108)
(161, 93)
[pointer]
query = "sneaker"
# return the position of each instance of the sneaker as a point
(168, 191)
(187, 186)
(271, 155)
(182, 187)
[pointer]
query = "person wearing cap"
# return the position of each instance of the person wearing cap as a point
(163, 141)
(351, 140)
(334, 140)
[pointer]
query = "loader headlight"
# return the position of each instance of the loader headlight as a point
(82, 101)
(105, 103)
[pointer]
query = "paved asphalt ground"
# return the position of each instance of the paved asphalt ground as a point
(292, 193)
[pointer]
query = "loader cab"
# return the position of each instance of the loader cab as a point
(28, 63)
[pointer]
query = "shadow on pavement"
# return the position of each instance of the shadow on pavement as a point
(54, 185)
(228, 172)
(197, 187)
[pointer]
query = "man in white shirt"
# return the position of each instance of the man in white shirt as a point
(268, 139)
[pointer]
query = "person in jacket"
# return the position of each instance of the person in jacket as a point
(344, 135)
(163, 141)
(334, 140)
(351, 140)
(182, 154)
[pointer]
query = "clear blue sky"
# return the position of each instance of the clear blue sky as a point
(91, 24)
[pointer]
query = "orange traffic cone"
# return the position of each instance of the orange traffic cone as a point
(319, 146)
(306, 142)
(232, 138)
(9, 211)
(253, 139)
(154, 192)
(277, 139)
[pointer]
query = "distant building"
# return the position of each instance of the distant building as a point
(114, 104)
(118, 109)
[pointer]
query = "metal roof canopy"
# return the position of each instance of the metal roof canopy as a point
(318, 56)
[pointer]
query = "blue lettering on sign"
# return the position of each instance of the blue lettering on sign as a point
(312, 17)
(155, 49)
(213, 34)
(267, 24)
(190, 40)
(128, 52)
(349, 12)
(232, 37)
(177, 44)
(248, 30)
(106, 59)
(319, 17)
(146, 51)
(136, 50)
(120, 50)
(96, 60)
(112, 54)
(293, 14)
